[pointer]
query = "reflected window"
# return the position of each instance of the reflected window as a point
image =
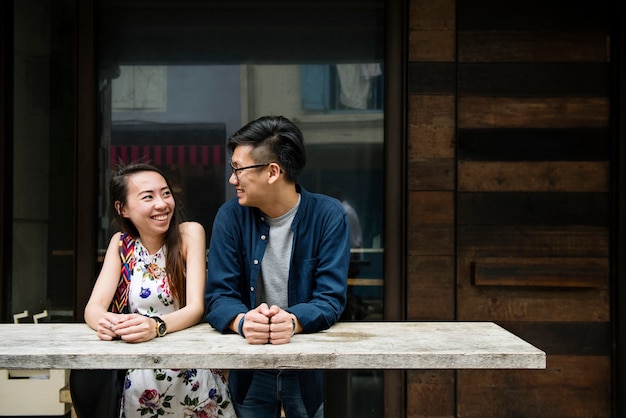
(42, 228)
(342, 87)
(178, 78)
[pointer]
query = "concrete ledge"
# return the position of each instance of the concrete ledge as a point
(348, 345)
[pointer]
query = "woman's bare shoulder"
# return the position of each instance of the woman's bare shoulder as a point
(192, 229)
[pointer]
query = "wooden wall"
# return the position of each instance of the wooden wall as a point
(509, 198)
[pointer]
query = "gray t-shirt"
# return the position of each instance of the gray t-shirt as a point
(272, 285)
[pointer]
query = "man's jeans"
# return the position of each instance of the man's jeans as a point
(269, 392)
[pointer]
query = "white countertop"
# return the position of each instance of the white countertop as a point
(347, 345)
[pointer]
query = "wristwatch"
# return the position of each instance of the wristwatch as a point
(161, 327)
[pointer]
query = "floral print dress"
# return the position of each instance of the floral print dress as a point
(177, 393)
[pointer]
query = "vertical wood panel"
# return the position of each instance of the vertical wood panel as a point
(432, 393)
(431, 182)
(431, 127)
(432, 32)
(430, 294)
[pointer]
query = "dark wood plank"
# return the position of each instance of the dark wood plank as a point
(554, 209)
(430, 393)
(433, 45)
(496, 15)
(431, 240)
(558, 272)
(527, 304)
(430, 142)
(533, 144)
(570, 387)
(431, 207)
(533, 46)
(435, 174)
(565, 338)
(532, 241)
(431, 288)
(431, 110)
(521, 79)
(431, 129)
(432, 78)
(550, 176)
(430, 15)
(551, 112)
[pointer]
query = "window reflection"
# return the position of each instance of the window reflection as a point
(338, 87)
(177, 78)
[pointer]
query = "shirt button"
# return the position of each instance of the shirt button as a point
(262, 218)
(251, 289)
(263, 237)
(256, 261)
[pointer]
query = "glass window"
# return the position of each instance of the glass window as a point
(177, 78)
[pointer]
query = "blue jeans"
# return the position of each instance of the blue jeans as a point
(269, 392)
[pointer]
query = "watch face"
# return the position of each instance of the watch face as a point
(162, 329)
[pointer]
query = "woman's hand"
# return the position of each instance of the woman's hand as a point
(135, 328)
(106, 326)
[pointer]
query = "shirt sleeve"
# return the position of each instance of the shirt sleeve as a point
(223, 292)
(326, 272)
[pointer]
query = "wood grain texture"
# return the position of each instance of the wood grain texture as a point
(432, 30)
(435, 240)
(431, 207)
(432, 393)
(548, 112)
(532, 241)
(585, 79)
(558, 272)
(427, 14)
(432, 78)
(498, 303)
(535, 176)
(570, 387)
(535, 15)
(349, 345)
(431, 288)
(432, 174)
(533, 209)
(533, 46)
(525, 144)
(565, 338)
(431, 110)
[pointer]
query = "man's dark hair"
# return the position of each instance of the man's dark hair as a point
(273, 139)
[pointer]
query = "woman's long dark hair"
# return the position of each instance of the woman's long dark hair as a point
(174, 261)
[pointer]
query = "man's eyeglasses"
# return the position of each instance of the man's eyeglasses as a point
(236, 170)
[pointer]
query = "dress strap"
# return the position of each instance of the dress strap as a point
(120, 300)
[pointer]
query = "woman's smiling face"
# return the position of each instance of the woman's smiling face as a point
(149, 203)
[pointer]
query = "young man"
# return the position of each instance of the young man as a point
(277, 265)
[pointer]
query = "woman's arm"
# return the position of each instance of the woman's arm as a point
(194, 253)
(96, 311)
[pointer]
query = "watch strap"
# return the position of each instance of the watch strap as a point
(159, 321)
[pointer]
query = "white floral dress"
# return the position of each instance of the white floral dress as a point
(177, 393)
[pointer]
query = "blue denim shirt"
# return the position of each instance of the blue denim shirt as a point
(320, 256)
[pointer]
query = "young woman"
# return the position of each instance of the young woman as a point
(167, 264)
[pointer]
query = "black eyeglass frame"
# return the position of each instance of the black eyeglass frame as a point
(237, 169)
